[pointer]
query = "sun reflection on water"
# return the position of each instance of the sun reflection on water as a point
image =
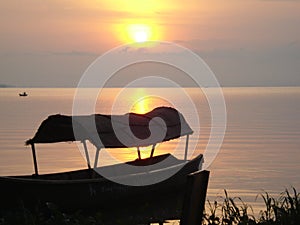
(142, 105)
(143, 101)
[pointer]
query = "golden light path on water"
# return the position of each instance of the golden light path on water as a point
(142, 103)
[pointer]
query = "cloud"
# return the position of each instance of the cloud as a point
(49, 53)
(74, 53)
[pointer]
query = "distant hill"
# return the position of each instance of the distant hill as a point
(6, 86)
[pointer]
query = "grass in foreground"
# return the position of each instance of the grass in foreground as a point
(282, 211)
(230, 211)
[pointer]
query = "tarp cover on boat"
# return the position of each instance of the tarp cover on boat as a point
(114, 131)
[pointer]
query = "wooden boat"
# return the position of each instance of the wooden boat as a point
(88, 188)
(24, 94)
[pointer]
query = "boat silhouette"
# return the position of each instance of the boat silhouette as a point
(24, 94)
(88, 188)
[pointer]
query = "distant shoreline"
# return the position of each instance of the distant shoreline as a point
(7, 86)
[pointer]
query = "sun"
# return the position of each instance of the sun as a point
(142, 33)
(140, 36)
(139, 33)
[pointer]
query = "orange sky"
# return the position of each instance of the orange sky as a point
(67, 29)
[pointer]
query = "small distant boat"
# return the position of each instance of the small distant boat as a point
(87, 189)
(24, 94)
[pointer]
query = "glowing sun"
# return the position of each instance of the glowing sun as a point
(139, 33)
(140, 36)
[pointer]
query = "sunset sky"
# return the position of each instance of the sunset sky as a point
(245, 42)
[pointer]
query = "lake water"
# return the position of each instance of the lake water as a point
(260, 151)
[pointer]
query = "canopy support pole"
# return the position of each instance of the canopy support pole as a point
(86, 154)
(96, 157)
(139, 152)
(152, 150)
(34, 160)
(186, 146)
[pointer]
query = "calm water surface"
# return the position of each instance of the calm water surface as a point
(260, 151)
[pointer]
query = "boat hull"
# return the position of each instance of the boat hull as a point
(99, 193)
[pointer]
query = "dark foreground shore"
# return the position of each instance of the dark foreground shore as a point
(284, 210)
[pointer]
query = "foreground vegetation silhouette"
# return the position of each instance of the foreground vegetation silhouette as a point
(284, 210)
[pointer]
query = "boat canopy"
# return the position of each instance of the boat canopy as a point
(114, 131)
